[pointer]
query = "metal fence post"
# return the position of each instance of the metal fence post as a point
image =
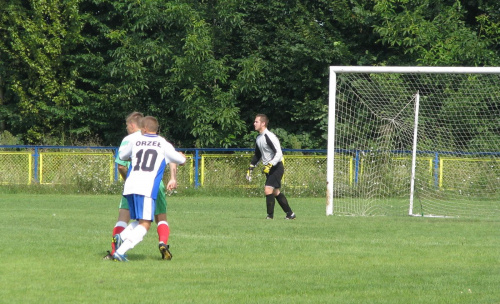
(196, 169)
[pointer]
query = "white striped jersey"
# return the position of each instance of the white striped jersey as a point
(149, 154)
(267, 149)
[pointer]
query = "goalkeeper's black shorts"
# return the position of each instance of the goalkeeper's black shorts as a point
(273, 179)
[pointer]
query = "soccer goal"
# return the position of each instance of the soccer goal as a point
(423, 141)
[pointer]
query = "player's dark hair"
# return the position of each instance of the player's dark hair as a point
(263, 118)
(135, 118)
(150, 124)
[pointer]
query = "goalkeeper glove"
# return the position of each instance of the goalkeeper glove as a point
(267, 168)
(249, 173)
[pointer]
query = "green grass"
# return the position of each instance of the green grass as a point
(225, 252)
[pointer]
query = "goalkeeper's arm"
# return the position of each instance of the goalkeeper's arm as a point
(253, 162)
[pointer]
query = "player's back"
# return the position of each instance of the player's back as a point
(148, 154)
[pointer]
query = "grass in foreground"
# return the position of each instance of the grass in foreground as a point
(225, 252)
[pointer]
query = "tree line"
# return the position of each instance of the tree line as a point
(70, 71)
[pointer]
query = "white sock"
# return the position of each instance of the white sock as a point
(121, 224)
(135, 238)
(125, 234)
(162, 223)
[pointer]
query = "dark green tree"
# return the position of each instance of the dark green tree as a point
(158, 58)
(36, 75)
(72, 70)
(438, 33)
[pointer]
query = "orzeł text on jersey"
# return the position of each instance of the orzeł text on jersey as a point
(149, 155)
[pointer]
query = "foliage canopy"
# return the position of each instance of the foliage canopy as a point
(70, 71)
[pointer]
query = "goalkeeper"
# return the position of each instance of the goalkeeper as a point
(268, 150)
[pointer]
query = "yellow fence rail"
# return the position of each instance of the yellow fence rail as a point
(16, 168)
(303, 172)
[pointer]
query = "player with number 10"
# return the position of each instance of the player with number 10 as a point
(149, 154)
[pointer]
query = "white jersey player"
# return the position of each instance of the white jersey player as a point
(149, 154)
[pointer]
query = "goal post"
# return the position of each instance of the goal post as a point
(414, 153)
(413, 140)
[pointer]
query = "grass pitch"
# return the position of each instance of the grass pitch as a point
(224, 251)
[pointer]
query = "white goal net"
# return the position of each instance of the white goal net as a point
(414, 140)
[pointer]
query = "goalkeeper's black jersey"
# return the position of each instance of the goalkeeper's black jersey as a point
(267, 149)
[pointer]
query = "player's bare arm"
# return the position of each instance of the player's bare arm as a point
(123, 171)
(172, 183)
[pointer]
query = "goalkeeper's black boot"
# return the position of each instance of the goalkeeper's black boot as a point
(165, 252)
(290, 216)
(269, 217)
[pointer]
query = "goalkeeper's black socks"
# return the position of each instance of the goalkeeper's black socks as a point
(284, 203)
(270, 204)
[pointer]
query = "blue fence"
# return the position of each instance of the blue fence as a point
(197, 156)
(434, 157)
(196, 152)
(435, 154)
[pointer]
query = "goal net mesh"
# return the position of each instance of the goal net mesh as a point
(457, 165)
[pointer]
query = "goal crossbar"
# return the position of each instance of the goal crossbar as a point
(415, 69)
